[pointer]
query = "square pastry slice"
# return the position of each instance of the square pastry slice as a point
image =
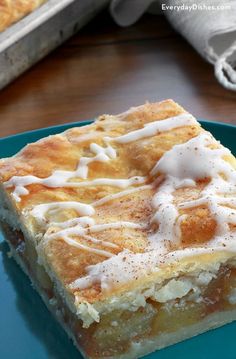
(127, 229)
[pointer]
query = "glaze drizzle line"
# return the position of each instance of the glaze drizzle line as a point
(177, 171)
(219, 194)
(155, 127)
(78, 230)
(59, 178)
(40, 210)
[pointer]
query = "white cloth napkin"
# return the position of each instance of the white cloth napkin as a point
(209, 25)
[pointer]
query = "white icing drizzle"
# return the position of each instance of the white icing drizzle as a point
(179, 167)
(40, 210)
(102, 155)
(127, 192)
(194, 160)
(60, 178)
(223, 209)
(167, 214)
(76, 244)
(82, 221)
(80, 230)
(105, 243)
(182, 166)
(116, 225)
(85, 136)
(207, 163)
(127, 266)
(118, 268)
(155, 127)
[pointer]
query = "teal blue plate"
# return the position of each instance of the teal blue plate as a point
(28, 331)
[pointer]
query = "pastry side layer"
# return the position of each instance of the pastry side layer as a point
(162, 322)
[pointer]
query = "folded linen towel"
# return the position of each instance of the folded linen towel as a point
(209, 25)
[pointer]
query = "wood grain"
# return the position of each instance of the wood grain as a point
(107, 69)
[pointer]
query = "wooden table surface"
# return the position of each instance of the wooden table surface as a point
(107, 69)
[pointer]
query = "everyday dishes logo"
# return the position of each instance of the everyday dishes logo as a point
(194, 7)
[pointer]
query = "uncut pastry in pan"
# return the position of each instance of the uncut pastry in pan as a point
(12, 11)
(127, 229)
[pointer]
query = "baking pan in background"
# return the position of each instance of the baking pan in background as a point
(34, 36)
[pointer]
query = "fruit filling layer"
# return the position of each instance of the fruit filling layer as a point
(179, 303)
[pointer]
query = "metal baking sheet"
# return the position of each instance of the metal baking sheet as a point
(33, 37)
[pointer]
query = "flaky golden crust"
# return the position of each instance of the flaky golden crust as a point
(62, 152)
(12, 11)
